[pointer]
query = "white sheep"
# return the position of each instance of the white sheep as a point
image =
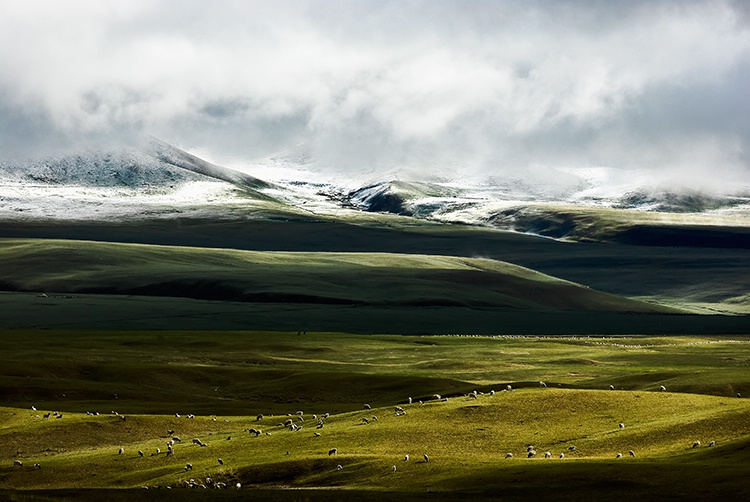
(562, 455)
(188, 467)
(17, 463)
(632, 453)
(339, 467)
(367, 406)
(611, 387)
(508, 455)
(238, 486)
(663, 389)
(531, 454)
(619, 455)
(316, 434)
(406, 458)
(410, 400)
(37, 466)
(712, 443)
(140, 453)
(221, 462)
(122, 451)
(543, 385)
(622, 426)
(333, 451)
(393, 468)
(492, 393)
(426, 458)
(696, 444)
(548, 455)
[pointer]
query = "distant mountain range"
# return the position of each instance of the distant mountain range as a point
(147, 174)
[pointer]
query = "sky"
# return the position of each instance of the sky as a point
(428, 87)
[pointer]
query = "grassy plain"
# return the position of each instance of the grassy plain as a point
(189, 315)
(149, 376)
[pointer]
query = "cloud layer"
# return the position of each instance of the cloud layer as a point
(482, 87)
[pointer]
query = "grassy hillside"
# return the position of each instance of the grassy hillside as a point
(123, 390)
(706, 279)
(466, 441)
(315, 278)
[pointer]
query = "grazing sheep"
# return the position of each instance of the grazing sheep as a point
(316, 434)
(410, 400)
(572, 448)
(611, 387)
(259, 417)
(738, 395)
(198, 442)
(696, 444)
(188, 467)
(229, 438)
(158, 451)
(562, 455)
(437, 396)
(140, 453)
(543, 385)
(393, 468)
(406, 458)
(122, 451)
(238, 486)
(531, 454)
(170, 432)
(632, 453)
(530, 447)
(325, 415)
(289, 422)
(547, 455)
(17, 463)
(364, 419)
(508, 455)
(712, 443)
(300, 419)
(333, 451)
(400, 410)
(33, 408)
(619, 455)
(176, 439)
(508, 387)
(622, 426)
(300, 413)
(663, 389)
(339, 467)
(492, 393)
(426, 458)
(47, 415)
(221, 462)
(170, 452)
(374, 418)
(367, 406)
(37, 466)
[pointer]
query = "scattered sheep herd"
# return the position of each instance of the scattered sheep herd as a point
(295, 423)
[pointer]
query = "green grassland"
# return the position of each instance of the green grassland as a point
(326, 278)
(271, 309)
(236, 376)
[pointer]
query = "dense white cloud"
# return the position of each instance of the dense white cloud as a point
(482, 86)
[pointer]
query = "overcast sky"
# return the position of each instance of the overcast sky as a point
(483, 86)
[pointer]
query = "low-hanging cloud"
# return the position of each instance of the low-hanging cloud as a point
(480, 87)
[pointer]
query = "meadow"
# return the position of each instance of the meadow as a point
(139, 382)
(119, 331)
